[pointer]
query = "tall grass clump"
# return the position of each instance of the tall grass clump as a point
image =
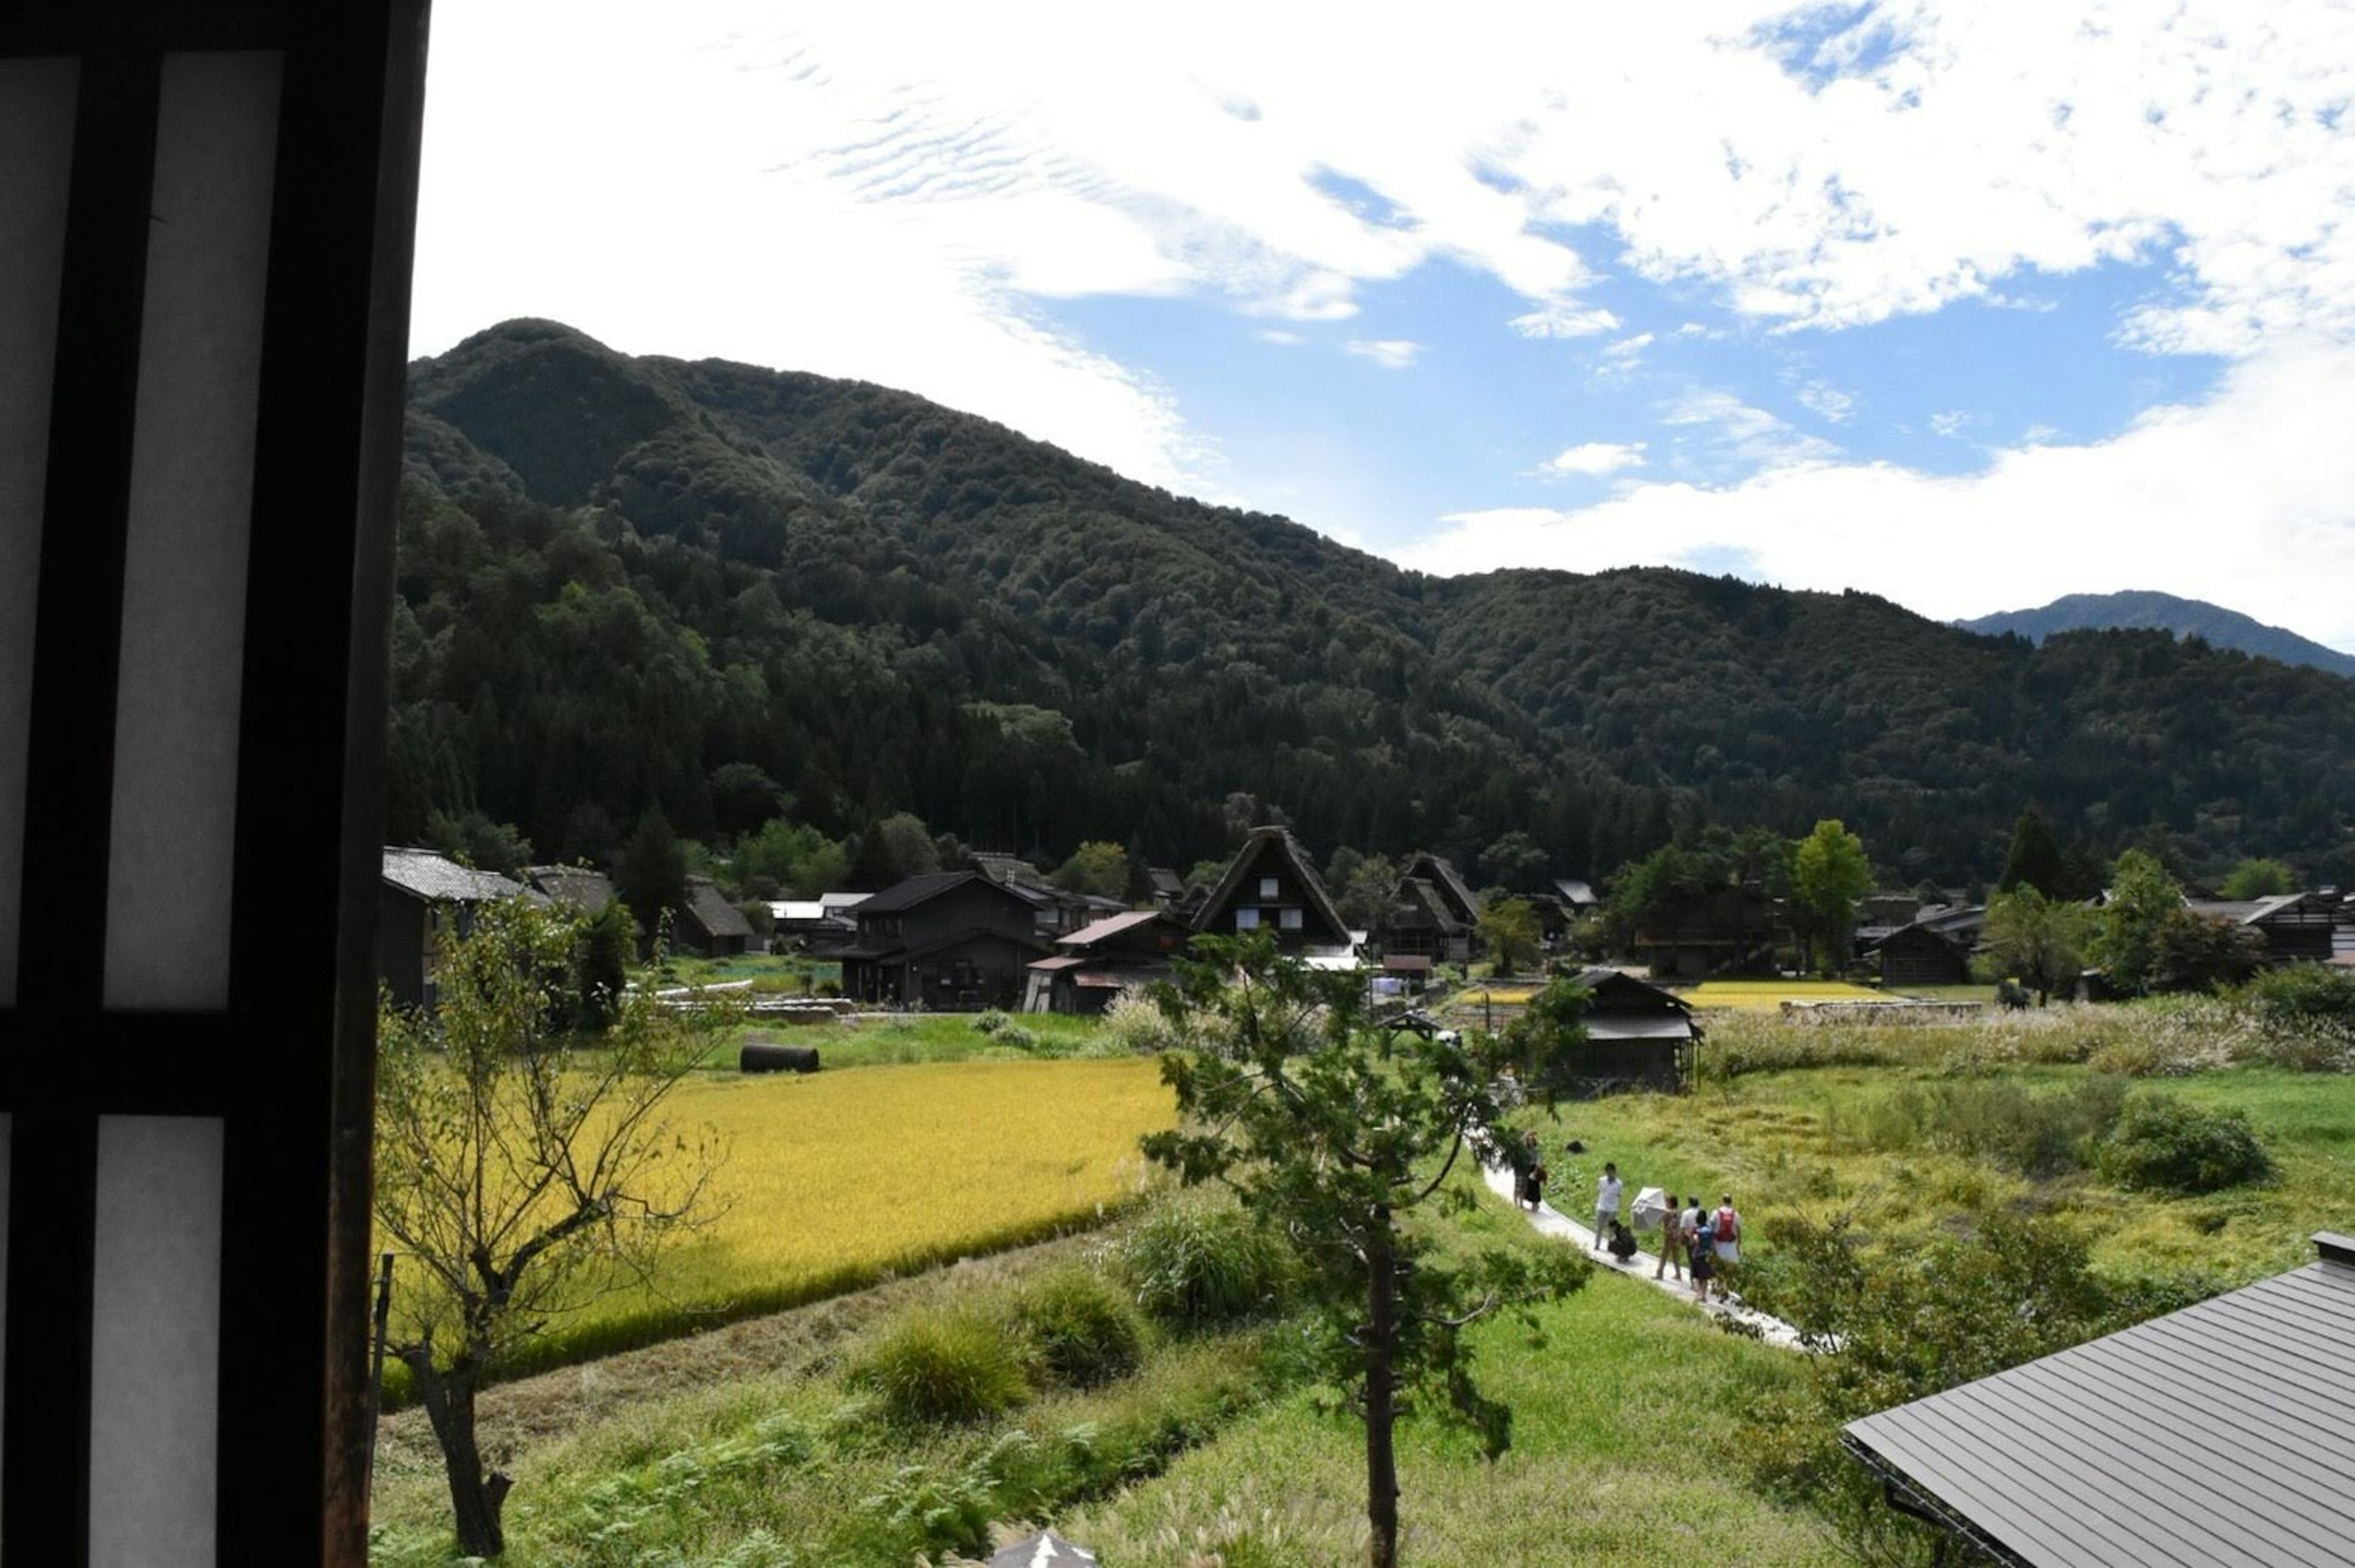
(1996, 1120)
(1195, 1263)
(2160, 1142)
(1084, 1331)
(945, 1366)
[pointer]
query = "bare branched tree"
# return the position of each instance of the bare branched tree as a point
(526, 1171)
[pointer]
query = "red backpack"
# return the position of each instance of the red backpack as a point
(1724, 1224)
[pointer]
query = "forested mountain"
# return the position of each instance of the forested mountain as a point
(2144, 610)
(620, 576)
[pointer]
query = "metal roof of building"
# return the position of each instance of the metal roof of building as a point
(430, 875)
(2221, 1434)
(1638, 1026)
(1110, 925)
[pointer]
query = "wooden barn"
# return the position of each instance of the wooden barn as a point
(1933, 950)
(2298, 927)
(1720, 931)
(1638, 1037)
(950, 941)
(426, 893)
(708, 925)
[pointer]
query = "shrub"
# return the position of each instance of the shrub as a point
(945, 1366)
(1201, 1263)
(2160, 1142)
(989, 1022)
(1014, 1037)
(2302, 994)
(1139, 1025)
(1996, 1119)
(1083, 1331)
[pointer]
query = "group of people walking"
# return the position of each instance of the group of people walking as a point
(1695, 1242)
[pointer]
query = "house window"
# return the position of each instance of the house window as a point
(1246, 920)
(1289, 920)
(1267, 887)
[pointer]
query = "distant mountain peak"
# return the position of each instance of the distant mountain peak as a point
(2148, 610)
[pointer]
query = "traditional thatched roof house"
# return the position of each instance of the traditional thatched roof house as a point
(950, 940)
(579, 887)
(1270, 886)
(708, 925)
(1714, 932)
(1422, 922)
(426, 893)
(2140, 1446)
(1121, 952)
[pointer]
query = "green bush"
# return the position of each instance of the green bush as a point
(1014, 1037)
(1996, 1119)
(1199, 1264)
(2160, 1142)
(946, 1367)
(989, 1022)
(1082, 1331)
(2302, 996)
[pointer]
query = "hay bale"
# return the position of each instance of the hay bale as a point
(760, 1057)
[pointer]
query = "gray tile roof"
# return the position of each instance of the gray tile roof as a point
(430, 875)
(2221, 1434)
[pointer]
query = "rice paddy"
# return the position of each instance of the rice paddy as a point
(1768, 995)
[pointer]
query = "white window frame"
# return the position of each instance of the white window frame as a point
(1246, 920)
(1269, 888)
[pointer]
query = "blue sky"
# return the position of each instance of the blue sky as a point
(1970, 306)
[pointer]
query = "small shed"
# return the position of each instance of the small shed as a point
(2219, 1435)
(709, 924)
(1638, 1037)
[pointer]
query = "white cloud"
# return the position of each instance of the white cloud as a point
(1739, 433)
(1277, 335)
(1560, 320)
(1948, 423)
(1595, 458)
(1826, 401)
(1627, 350)
(2242, 501)
(1389, 353)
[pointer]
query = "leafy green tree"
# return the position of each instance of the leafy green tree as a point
(1509, 928)
(2041, 941)
(2257, 879)
(792, 856)
(743, 796)
(2035, 857)
(1098, 867)
(892, 850)
(522, 1174)
(477, 841)
(2143, 899)
(1364, 896)
(651, 874)
(2204, 952)
(1829, 871)
(1335, 1133)
(1514, 859)
(1206, 873)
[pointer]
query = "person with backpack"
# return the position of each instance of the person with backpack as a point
(1725, 1235)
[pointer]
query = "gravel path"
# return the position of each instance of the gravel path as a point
(1550, 1221)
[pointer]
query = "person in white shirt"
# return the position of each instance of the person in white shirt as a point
(1607, 1203)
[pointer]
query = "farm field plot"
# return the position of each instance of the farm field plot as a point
(1767, 996)
(836, 1180)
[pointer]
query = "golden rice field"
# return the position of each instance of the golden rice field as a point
(835, 1181)
(1769, 995)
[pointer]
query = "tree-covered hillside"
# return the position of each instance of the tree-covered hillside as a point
(618, 577)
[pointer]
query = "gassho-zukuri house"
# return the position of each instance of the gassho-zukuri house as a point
(2218, 1437)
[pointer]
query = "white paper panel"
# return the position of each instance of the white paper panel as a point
(191, 511)
(7, 1153)
(37, 109)
(156, 1342)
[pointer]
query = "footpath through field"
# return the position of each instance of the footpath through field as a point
(1550, 1221)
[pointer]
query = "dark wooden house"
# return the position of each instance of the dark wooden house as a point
(2298, 927)
(1270, 886)
(1092, 966)
(1422, 923)
(950, 940)
(1934, 949)
(708, 925)
(1638, 1037)
(1716, 932)
(426, 894)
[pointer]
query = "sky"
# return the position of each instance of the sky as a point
(1970, 305)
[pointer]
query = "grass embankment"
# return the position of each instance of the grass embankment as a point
(1626, 1450)
(1788, 1137)
(837, 1179)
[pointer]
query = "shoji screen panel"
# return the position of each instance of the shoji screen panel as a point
(205, 217)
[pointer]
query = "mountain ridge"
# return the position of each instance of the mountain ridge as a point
(620, 574)
(2148, 610)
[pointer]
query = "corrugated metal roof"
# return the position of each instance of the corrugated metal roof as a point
(1638, 1026)
(2222, 1435)
(1094, 932)
(1060, 961)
